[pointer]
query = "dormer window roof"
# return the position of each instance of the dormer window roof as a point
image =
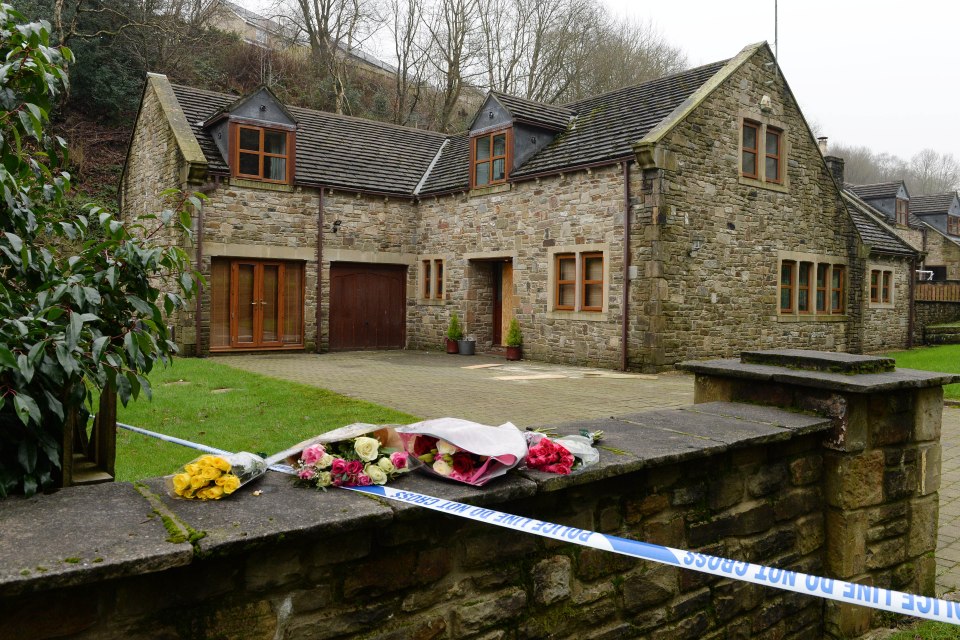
(256, 135)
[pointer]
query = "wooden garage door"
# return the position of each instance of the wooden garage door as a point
(367, 306)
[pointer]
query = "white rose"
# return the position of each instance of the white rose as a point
(324, 479)
(385, 464)
(445, 448)
(366, 448)
(441, 467)
(377, 475)
(325, 461)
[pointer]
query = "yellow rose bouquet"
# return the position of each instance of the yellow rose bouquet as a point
(211, 477)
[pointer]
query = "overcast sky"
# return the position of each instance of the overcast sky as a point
(884, 73)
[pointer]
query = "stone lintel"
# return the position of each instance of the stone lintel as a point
(832, 361)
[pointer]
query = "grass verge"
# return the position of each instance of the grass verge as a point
(944, 358)
(210, 403)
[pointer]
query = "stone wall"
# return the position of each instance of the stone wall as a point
(724, 298)
(886, 326)
(524, 223)
(943, 252)
(850, 493)
(928, 313)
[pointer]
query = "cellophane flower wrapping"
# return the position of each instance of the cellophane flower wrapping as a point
(214, 476)
(464, 451)
(356, 455)
(562, 455)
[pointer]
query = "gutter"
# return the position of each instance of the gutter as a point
(911, 317)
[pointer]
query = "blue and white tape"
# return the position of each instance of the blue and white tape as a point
(832, 589)
(778, 578)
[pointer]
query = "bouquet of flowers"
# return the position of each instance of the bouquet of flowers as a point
(561, 455)
(462, 450)
(210, 477)
(355, 455)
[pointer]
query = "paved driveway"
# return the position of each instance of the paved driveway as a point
(484, 389)
(492, 391)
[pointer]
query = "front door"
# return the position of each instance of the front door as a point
(255, 318)
(256, 304)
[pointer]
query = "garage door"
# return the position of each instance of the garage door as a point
(367, 306)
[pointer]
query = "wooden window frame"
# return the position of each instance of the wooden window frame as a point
(809, 288)
(584, 282)
(778, 156)
(426, 278)
(507, 157)
(438, 271)
(953, 225)
(839, 289)
(789, 286)
(902, 208)
(825, 289)
(886, 287)
(875, 285)
(558, 259)
(289, 156)
(431, 279)
(755, 150)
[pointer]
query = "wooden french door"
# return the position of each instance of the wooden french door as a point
(264, 304)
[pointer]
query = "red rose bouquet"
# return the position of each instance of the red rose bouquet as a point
(561, 455)
(464, 451)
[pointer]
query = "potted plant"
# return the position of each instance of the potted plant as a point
(514, 341)
(454, 334)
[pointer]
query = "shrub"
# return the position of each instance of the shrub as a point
(455, 330)
(514, 337)
(80, 301)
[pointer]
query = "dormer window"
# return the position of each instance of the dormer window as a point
(902, 209)
(262, 153)
(953, 225)
(489, 164)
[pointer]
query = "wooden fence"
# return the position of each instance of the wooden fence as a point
(938, 292)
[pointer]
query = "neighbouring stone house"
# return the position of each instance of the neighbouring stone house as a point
(688, 217)
(940, 213)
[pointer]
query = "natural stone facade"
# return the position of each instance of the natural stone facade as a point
(886, 325)
(666, 302)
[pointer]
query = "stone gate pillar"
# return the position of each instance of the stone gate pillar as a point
(881, 462)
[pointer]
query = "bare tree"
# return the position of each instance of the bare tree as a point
(452, 52)
(334, 29)
(932, 172)
(410, 51)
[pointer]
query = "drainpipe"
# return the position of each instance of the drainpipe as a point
(198, 343)
(911, 320)
(626, 265)
(319, 269)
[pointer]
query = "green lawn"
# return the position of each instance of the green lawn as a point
(213, 404)
(928, 631)
(944, 358)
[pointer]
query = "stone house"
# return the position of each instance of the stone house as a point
(940, 213)
(688, 217)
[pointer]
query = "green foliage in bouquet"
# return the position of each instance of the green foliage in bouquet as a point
(80, 299)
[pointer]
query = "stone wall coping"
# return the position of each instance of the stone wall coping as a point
(848, 383)
(832, 361)
(83, 535)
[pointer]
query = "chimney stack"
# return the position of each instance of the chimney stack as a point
(835, 165)
(822, 143)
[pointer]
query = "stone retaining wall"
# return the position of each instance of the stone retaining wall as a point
(846, 487)
(930, 313)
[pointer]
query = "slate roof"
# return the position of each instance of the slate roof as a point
(875, 234)
(874, 191)
(606, 126)
(926, 205)
(346, 152)
(549, 116)
(332, 150)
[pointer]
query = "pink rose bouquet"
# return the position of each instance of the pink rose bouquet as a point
(562, 455)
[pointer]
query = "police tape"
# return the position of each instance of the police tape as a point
(829, 588)
(778, 578)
